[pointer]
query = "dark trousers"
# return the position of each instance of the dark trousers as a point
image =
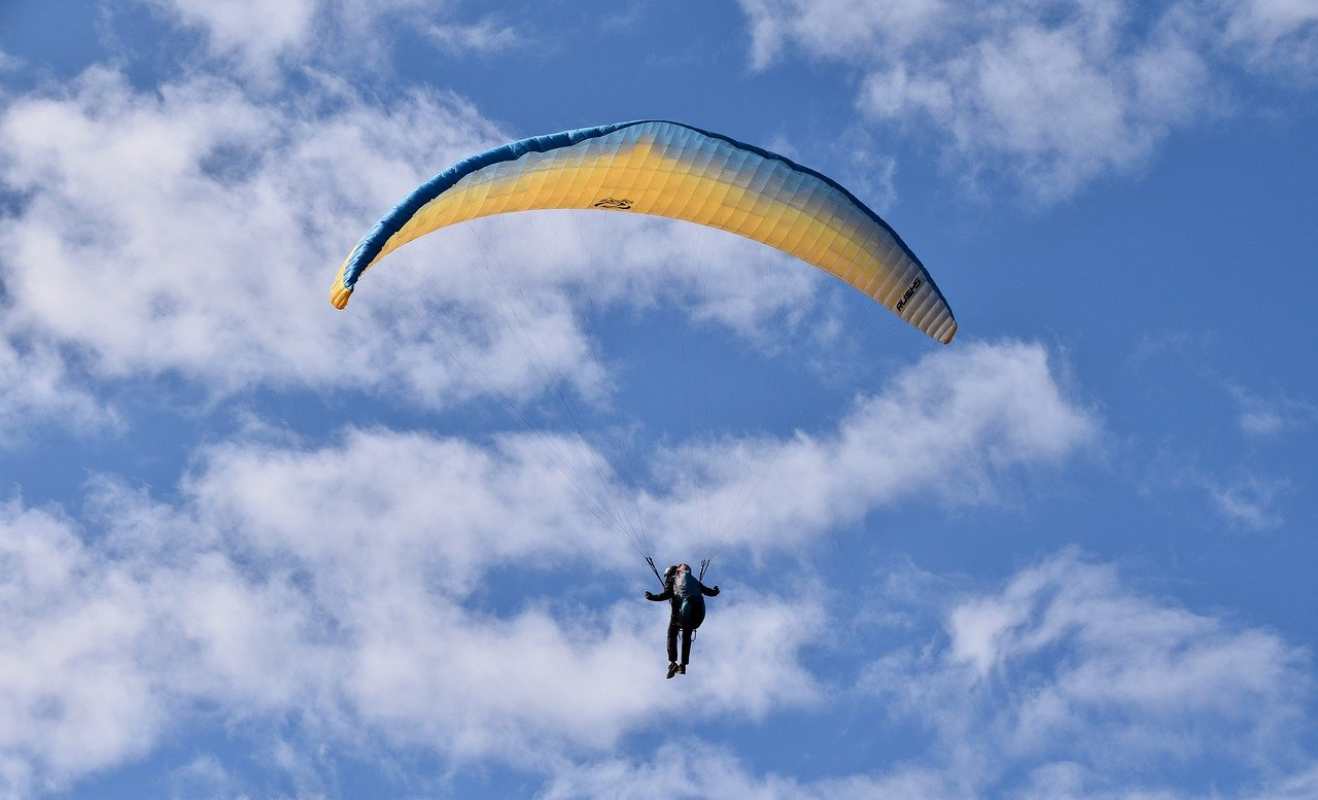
(673, 628)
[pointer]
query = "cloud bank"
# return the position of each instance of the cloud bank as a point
(341, 584)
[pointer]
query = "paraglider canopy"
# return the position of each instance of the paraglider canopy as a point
(671, 170)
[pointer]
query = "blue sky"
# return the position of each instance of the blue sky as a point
(252, 547)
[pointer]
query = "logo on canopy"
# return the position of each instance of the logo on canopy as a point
(613, 202)
(910, 290)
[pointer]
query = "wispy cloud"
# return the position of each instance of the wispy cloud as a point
(678, 772)
(948, 428)
(1263, 417)
(1251, 502)
(1054, 95)
(1114, 679)
(254, 33)
(267, 41)
(9, 62)
(1279, 36)
(483, 37)
(714, 772)
(38, 388)
(1299, 786)
(1245, 497)
(204, 776)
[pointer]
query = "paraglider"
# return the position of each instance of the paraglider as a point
(672, 170)
(686, 596)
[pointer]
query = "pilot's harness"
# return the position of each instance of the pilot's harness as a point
(704, 565)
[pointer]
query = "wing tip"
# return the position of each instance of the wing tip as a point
(339, 295)
(949, 334)
(340, 292)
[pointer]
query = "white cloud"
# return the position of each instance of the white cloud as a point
(342, 581)
(448, 502)
(697, 769)
(205, 226)
(1301, 785)
(1070, 676)
(484, 37)
(949, 427)
(38, 388)
(678, 772)
(842, 27)
(1070, 781)
(257, 33)
(1053, 94)
(8, 62)
(1279, 36)
(1073, 687)
(1251, 502)
(1260, 421)
(353, 619)
(1263, 417)
(353, 622)
(552, 496)
(868, 171)
(203, 778)
(262, 38)
(72, 694)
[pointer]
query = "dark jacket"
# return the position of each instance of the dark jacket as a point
(687, 608)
